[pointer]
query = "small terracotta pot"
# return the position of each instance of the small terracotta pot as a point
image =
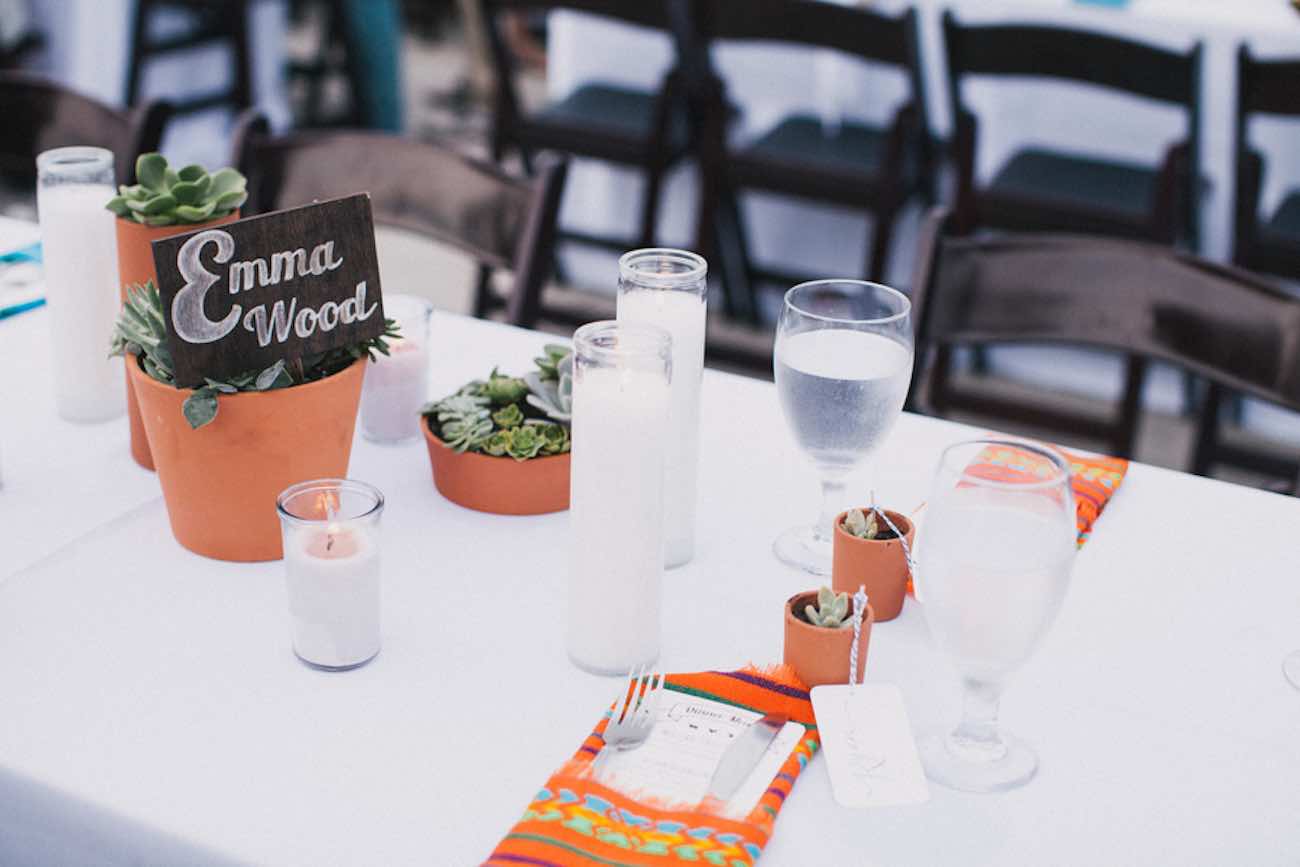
(502, 486)
(135, 266)
(879, 564)
(220, 482)
(820, 655)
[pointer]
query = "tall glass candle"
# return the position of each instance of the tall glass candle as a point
(79, 252)
(621, 400)
(332, 570)
(667, 288)
(397, 384)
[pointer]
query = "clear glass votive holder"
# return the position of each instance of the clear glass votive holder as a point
(79, 264)
(621, 400)
(397, 384)
(668, 288)
(332, 570)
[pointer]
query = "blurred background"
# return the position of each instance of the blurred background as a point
(812, 149)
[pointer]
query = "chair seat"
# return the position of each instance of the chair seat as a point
(1076, 181)
(854, 149)
(614, 110)
(1287, 219)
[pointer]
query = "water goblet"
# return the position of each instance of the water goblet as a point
(993, 567)
(843, 362)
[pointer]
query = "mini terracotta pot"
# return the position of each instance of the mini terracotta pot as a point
(878, 564)
(220, 482)
(501, 486)
(820, 655)
(135, 266)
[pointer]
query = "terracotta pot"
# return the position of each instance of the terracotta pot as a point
(135, 266)
(820, 655)
(879, 564)
(220, 481)
(502, 486)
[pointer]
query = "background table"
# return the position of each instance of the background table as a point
(153, 712)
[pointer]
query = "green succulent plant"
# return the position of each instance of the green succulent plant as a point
(506, 416)
(165, 196)
(553, 395)
(831, 611)
(553, 354)
(503, 390)
(863, 525)
(141, 331)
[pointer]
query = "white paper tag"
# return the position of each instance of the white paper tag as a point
(870, 752)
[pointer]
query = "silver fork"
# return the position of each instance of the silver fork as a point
(635, 709)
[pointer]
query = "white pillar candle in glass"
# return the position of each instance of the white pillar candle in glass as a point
(79, 254)
(667, 288)
(620, 406)
(397, 384)
(332, 567)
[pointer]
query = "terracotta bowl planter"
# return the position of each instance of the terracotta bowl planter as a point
(135, 266)
(879, 564)
(220, 481)
(502, 486)
(820, 655)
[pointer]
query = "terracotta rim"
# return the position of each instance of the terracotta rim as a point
(244, 395)
(904, 523)
(794, 604)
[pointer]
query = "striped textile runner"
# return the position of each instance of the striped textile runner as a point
(573, 820)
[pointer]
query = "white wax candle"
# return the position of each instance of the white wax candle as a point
(396, 387)
(79, 252)
(616, 518)
(681, 314)
(333, 582)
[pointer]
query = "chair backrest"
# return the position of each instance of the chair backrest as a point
(1038, 51)
(41, 114)
(854, 31)
(1148, 300)
(1264, 87)
(430, 189)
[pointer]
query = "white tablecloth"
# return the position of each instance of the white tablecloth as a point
(154, 714)
(768, 82)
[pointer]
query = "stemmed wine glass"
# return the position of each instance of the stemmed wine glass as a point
(843, 361)
(1291, 668)
(993, 567)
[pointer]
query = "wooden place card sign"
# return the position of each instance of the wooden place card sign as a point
(286, 285)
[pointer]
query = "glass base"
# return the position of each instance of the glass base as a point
(1291, 668)
(977, 770)
(604, 671)
(803, 548)
(319, 667)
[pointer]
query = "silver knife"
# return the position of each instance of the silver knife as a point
(743, 755)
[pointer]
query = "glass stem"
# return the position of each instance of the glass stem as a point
(977, 738)
(832, 499)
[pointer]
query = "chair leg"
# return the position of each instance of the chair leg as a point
(1135, 376)
(1207, 431)
(650, 204)
(882, 233)
(739, 295)
(139, 36)
(483, 300)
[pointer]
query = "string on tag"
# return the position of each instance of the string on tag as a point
(859, 611)
(902, 539)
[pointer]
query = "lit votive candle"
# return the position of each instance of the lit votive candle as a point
(397, 384)
(332, 571)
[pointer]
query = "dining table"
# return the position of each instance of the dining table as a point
(152, 711)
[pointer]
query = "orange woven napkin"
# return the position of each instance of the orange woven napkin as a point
(574, 820)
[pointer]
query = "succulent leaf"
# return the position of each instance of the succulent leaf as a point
(151, 171)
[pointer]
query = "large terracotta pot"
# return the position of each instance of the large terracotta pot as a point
(220, 482)
(820, 655)
(878, 563)
(502, 486)
(134, 267)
